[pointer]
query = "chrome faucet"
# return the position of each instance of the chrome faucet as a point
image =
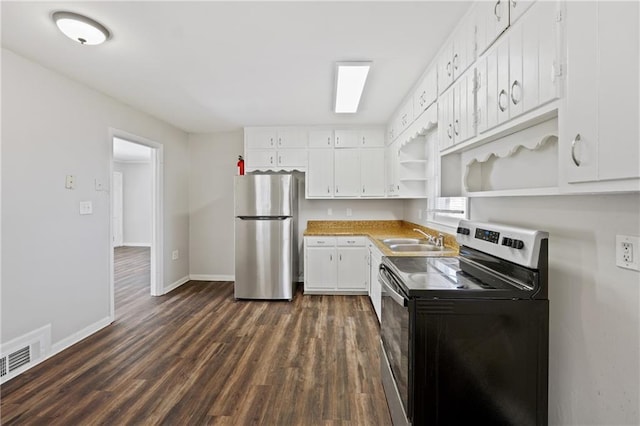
(438, 242)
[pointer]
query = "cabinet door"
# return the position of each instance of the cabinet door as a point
(370, 138)
(481, 94)
(492, 18)
(372, 172)
(346, 138)
(545, 20)
(347, 173)
(517, 8)
(464, 108)
(261, 137)
(463, 48)
(321, 268)
(445, 119)
(261, 158)
(600, 141)
(375, 289)
(502, 52)
(292, 158)
(531, 43)
(292, 138)
(426, 92)
(352, 268)
(445, 68)
(319, 178)
(320, 138)
(492, 89)
(518, 88)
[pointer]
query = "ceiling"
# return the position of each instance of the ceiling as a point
(218, 66)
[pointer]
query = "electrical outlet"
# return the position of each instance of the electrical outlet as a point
(175, 255)
(70, 182)
(627, 255)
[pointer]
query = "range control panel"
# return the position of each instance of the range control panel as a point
(518, 245)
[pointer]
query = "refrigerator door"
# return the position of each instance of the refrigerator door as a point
(264, 258)
(264, 195)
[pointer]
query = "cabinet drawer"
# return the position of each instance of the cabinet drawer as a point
(320, 241)
(352, 241)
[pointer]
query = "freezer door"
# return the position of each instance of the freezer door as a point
(264, 258)
(264, 195)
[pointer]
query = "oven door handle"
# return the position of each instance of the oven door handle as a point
(397, 297)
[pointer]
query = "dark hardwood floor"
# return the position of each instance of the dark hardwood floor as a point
(195, 356)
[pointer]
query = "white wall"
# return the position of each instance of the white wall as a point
(594, 354)
(137, 202)
(56, 262)
(213, 159)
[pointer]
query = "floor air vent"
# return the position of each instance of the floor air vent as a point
(24, 352)
(19, 358)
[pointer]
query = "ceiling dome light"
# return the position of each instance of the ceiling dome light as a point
(80, 28)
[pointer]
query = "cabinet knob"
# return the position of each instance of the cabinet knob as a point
(502, 95)
(280, 159)
(363, 140)
(495, 10)
(329, 140)
(573, 150)
(514, 86)
(363, 189)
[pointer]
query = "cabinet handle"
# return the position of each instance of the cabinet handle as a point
(271, 141)
(363, 189)
(271, 159)
(455, 130)
(328, 190)
(280, 141)
(337, 140)
(449, 131)
(340, 257)
(495, 11)
(500, 97)
(513, 3)
(280, 159)
(329, 140)
(363, 140)
(573, 150)
(337, 190)
(331, 258)
(455, 61)
(449, 68)
(515, 84)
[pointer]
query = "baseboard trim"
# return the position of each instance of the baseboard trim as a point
(205, 277)
(175, 284)
(79, 335)
(136, 244)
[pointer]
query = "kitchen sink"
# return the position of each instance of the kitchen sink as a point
(414, 247)
(395, 241)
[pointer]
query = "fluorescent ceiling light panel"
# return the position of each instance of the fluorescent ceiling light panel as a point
(350, 80)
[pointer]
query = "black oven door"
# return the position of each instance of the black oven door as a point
(394, 330)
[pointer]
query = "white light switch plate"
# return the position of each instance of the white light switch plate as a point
(86, 207)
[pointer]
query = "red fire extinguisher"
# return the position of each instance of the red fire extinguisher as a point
(240, 165)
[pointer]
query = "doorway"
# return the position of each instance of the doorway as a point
(136, 216)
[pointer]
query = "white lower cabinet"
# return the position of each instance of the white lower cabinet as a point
(335, 265)
(375, 290)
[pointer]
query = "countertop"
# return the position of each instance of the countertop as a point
(378, 230)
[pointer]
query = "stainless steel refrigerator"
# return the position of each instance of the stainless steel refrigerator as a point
(265, 227)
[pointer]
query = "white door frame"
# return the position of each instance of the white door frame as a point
(157, 220)
(117, 208)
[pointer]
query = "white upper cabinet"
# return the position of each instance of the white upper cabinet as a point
(346, 139)
(517, 8)
(521, 71)
(271, 137)
(456, 109)
(370, 138)
(492, 18)
(347, 173)
(458, 54)
(319, 179)
(599, 130)
(320, 138)
(426, 92)
(372, 172)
